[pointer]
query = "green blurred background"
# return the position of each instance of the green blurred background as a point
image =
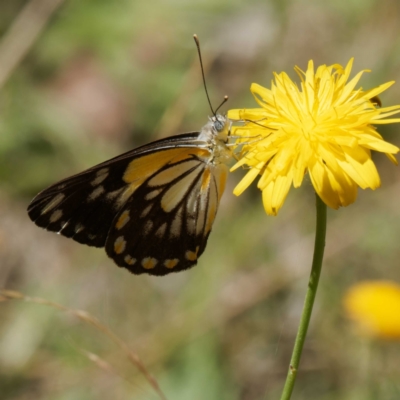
(105, 76)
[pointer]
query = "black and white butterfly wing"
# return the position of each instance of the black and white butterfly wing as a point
(81, 207)
(152, 208)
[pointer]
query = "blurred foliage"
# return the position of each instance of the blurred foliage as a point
(104, 77)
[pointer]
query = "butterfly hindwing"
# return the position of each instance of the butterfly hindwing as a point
(165, 224)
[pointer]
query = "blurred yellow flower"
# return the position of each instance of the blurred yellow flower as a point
(325, 127)
(375, 307)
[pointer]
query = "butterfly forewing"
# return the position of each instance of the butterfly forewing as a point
(152, 208)
(81, 207)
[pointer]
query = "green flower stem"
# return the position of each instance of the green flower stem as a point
(309, 300)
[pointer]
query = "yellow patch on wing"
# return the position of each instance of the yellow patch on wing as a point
(172, 173)
(123, 220)
(212, 208)
(221, 174)
(149, 262)
(119, 244)
(198, 152)
(210, 218)
(192, 255)
(205, 182)
(129, 260)
(203, 199)
(171, 263)
(211, 195)
(141, 168)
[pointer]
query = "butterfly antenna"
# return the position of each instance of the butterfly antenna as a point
(196, 39)
(223, 102)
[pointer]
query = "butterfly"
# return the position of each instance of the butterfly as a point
(152, 208)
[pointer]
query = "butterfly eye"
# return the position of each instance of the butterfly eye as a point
(219, 125)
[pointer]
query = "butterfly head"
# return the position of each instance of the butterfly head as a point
(220, 127)
(215, 136)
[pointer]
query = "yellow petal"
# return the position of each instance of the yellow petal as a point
(360, 160)
(275, 194)
(320, 180)
(246, 181)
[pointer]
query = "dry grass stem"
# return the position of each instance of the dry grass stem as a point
(89, 319)
(23, 33)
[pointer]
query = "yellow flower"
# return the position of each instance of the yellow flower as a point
(375, 306)
(324, 127)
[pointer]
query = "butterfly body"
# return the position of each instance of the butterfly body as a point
(152, 208)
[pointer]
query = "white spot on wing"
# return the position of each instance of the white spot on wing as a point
(123, 220)
(161, 230)
(177, 191)
(79, 228)
(101, 175)
(194, 207)
(56, 215)
(192, 200)
(114, 194)
(63, 225)
(53, 203)
(146, 211)
(176, 225)
(96, 193)
(124, 195)
(191, 223)
(148, 226)
(152, 194)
